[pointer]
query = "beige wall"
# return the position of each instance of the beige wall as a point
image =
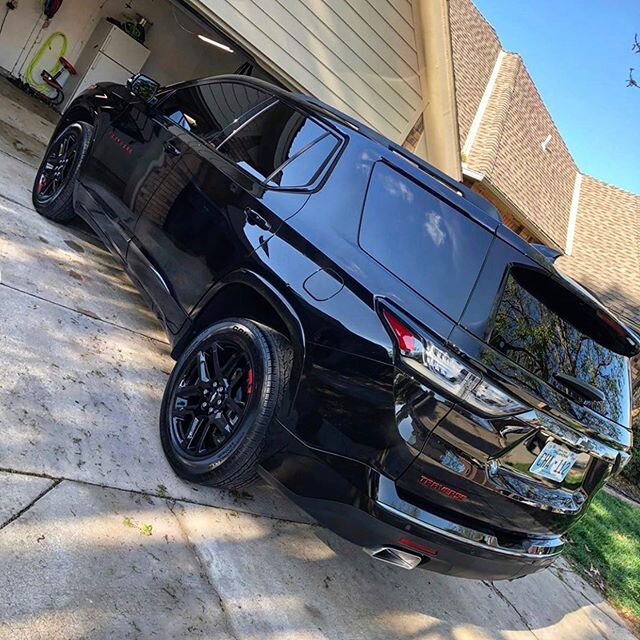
(358, 55)
(176, 52)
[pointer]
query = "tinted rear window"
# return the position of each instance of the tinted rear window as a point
(541, 327)
(428, 244)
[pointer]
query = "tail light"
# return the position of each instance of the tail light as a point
(449, 373)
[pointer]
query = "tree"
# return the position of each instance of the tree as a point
(632, 82)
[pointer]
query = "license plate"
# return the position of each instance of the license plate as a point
(553, 462)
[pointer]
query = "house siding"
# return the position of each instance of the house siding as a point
(357, 55)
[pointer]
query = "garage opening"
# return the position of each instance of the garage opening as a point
(55, 49)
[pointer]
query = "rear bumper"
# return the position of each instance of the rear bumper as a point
(441, 551)
(373, 515)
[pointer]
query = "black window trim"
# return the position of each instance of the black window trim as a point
(320, 173)
(287, 162)
(255, 111)
(270, 102)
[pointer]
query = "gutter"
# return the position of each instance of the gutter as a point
(439, 107)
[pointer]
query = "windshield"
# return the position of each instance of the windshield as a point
(546, 330)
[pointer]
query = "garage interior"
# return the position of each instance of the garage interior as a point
(110, 40)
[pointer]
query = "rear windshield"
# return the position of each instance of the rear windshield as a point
(542, 327)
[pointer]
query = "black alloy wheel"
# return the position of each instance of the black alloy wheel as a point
(221, 401)
(57, 165)
(55, 180)
(211, 398)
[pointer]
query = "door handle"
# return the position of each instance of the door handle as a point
(172, 150)
(253, 217)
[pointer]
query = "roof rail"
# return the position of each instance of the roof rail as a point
(443, 178)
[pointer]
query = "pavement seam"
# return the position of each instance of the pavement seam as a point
(21, 160)
(204, 574)
(159, 496)
(511, 606)
(82, 313)
(557, 572)
(3, 196)
(22, 511)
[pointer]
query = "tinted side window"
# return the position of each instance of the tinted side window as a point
(302, 169)
(426, 243)
(206, 110)
(274, 137)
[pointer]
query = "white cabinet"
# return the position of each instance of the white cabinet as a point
(109, 56)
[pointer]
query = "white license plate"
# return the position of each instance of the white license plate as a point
(553, 462)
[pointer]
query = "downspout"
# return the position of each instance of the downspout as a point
(439, 110)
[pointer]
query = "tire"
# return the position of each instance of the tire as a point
(224, 456)
(52, 193)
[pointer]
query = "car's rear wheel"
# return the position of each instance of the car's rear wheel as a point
(223, 394)
(53, 187)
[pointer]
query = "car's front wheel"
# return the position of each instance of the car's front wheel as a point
(223, 394)
(53, 187)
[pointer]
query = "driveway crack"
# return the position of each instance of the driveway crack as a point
(85, 314)
(228, 624)
(22, 511)
(510, 605)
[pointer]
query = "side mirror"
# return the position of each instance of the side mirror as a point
(143, 87)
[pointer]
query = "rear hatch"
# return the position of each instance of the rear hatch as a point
(548, 343)
(556, 331)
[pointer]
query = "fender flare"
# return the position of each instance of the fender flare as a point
(275, 298)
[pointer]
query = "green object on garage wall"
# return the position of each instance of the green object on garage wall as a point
(43, 87)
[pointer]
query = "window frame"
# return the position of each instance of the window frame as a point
(246, 118)
(212, 142)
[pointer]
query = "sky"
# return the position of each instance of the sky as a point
(578, 53)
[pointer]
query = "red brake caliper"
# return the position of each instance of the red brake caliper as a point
(41, 183)
(250, 381)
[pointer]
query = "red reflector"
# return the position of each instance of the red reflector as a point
(417, 546)
(406, 340)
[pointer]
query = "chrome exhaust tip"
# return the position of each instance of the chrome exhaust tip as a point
(396, 557)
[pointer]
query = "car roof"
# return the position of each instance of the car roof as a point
(327, 112)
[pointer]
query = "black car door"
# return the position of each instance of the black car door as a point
(228, 193)
(120, 176)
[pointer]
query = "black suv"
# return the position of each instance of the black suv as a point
(350, 322)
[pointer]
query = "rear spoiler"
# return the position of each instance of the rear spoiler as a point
(625, 337)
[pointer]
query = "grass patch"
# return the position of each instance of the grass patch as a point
(605, 544)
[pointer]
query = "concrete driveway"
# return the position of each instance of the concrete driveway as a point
(98, 539)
